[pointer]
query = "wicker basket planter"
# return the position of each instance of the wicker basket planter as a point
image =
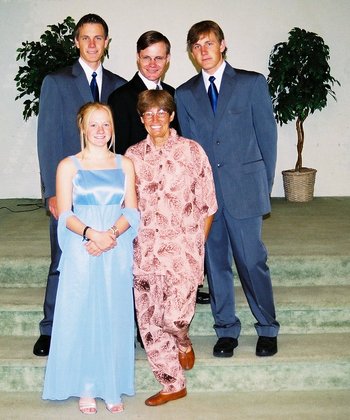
(299, 186)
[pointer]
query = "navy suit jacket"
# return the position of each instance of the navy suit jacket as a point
(240, 139)
(63, 93)
(128, 127)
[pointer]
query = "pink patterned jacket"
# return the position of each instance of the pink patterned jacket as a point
(176, 193)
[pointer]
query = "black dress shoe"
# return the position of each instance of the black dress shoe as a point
(266, 346)
(202, 297)
(42, 346)
(224, 347)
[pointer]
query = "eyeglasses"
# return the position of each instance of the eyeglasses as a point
(161, 114)
(147, 59)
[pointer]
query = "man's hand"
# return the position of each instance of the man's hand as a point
(52, 201)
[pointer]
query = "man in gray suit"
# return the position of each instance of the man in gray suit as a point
(62, 95)
(229, 112)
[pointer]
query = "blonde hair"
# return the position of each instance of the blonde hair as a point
(83, 119)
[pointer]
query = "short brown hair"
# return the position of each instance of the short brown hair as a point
(90, 18)
(205, 27)
(83, 119)
(155, 99)
(152, 37)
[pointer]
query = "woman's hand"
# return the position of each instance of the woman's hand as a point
(93, 249)
(103, 241)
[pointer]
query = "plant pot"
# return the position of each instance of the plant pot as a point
(299, 186)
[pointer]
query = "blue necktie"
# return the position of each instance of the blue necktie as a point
(94, 88)
(213, 93)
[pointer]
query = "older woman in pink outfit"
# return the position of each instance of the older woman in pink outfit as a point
(176, 197)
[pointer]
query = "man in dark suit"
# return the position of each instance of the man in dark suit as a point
(62, 95)
(153, 56)
(231, 116)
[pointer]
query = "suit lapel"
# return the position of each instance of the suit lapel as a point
(107, 86)
(138, 84)
(81, 82)
(201, 98)
(227, 88)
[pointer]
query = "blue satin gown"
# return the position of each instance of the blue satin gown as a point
(92, 345)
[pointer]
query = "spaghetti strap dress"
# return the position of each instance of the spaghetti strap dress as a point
(92, 343)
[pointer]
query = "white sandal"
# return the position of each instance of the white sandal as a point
(115, 408)
(87, 406)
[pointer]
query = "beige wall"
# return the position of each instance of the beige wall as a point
(251, 28)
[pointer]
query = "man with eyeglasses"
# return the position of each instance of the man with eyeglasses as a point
(153, 56)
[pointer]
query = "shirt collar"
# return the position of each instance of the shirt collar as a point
(88, 71)
(218, 76)
(173, 137)
(149, 83)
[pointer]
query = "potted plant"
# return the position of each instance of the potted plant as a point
(299, 82)
(55, 50)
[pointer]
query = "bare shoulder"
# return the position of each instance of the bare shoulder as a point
(127, 164)
(66, 165)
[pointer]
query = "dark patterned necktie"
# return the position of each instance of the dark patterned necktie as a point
(94, 88)
(213, 93)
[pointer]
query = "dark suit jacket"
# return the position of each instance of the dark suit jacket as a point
(62, 95)
(240, 139)
(128, 127)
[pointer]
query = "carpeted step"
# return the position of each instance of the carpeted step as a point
(285, 271)
(310, 266)
(304, 362)
(299, 310)
(289, 405)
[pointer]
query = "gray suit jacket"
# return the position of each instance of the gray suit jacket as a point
(62, 95)
(240, 139)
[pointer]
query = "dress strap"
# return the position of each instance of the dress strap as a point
(118, 159)
(75, 161)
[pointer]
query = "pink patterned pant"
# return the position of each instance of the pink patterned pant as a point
(165, 307)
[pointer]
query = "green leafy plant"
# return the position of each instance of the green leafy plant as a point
(55, 50)
(299, 80)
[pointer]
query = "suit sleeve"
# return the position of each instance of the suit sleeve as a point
(122, 121)
(265, 127)
(206, 186)
(182, 116)
(49, 135)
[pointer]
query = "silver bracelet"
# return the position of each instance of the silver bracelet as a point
(115, 231)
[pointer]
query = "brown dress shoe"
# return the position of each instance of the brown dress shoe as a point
(164, 397)
(187, 359)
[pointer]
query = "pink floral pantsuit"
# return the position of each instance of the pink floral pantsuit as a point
(176, 194)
